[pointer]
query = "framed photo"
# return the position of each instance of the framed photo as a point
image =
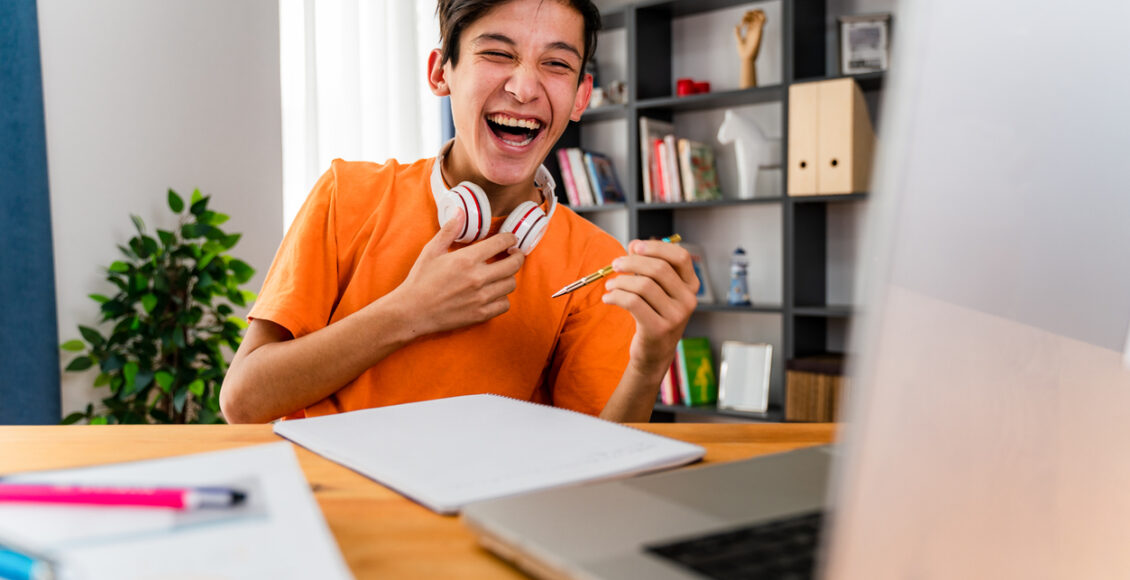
(705, 291)
(865, 43)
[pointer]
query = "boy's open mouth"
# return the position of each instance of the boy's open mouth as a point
(512, 130)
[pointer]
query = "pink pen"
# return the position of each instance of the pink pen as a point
(182, 498)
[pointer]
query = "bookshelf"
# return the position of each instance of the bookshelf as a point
(800, 289)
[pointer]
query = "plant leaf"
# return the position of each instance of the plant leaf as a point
(149, 302)
(230, 241)
(218, 218)
(130, 373)
(238, 321)
(137, 223)
(199, 206)
(73, 345)
(196, 387)
(243, 272)
(175, 202)
(196, 195)
(178, 399)
(92, 336)
(167, 238)
(98, 421)
(164, 380)
(73, 418)
(102, 380)
(119, 266)
(80, 364)
(99, 298)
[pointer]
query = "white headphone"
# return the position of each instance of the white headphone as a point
(527, 221)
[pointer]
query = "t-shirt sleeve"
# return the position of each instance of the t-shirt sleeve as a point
(591, 353)
(301, 287)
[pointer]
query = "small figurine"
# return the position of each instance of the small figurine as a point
(752, 148)
(749, 44)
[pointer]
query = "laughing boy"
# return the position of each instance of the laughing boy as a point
(372, 301)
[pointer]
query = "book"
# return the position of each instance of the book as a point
(669, 388)
(696, 371)
(603, 177)
(700, 175)
(447, 453)
(658, 179)
(651, 129)
(671, 170)
(580, 176)
(567, 177)
(743, 378)
(705, 293)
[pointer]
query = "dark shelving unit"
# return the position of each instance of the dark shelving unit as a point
(804, 312)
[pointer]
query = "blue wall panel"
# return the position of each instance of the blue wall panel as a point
(29, 355)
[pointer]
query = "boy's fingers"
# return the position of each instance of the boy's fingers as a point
(446, 235)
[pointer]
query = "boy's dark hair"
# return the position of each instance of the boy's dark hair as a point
(456, 15)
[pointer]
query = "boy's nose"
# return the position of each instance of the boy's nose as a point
(523, 84)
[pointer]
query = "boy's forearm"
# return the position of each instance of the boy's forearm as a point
(279, 378)
(634, 398)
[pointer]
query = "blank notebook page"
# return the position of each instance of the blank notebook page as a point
(447, 453)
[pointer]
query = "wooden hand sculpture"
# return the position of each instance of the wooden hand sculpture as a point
(749, 43)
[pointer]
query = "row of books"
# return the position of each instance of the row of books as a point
(675, 169)
(589, 177)
(690, 381)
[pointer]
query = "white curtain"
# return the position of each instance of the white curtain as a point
(354, 86)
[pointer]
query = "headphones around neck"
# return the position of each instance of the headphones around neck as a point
(527, 221)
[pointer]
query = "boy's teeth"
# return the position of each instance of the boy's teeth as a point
(512, 122)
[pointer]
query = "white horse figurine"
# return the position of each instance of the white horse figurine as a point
(752, 148)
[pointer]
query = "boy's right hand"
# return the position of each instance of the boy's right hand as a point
(447, 289)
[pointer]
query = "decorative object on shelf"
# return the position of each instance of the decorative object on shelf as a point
(697, 382)
(865, 43)
(700, 175)
(164, 359)
(687, 86)
(748, 34)
(814, 387)
(743, 379)
(739, 282)
(669, 393)
(616, 93)
(831, 140)
(752, 148)
(705, 290)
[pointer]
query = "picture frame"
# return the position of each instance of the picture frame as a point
(743, 382)
(865, 43)
(705, 290)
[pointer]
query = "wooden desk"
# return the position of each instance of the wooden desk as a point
(381, 534)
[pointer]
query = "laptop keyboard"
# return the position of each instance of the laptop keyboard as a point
(783, 549)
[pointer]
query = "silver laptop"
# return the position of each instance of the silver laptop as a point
(988, 432)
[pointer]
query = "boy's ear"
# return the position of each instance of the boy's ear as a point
(437, 77)
(581, 102)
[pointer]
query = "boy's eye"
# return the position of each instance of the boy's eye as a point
(495, 54)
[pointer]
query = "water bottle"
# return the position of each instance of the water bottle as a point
(739, 284)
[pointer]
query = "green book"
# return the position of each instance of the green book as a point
(696, 372)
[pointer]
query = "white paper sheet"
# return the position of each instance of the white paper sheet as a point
(278, 533)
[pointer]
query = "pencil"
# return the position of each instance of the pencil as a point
(601, 273)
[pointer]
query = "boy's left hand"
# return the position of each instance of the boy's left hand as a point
(660, 297)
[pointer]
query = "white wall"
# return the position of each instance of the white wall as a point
(141, 96)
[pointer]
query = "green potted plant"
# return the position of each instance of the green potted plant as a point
(163, 357)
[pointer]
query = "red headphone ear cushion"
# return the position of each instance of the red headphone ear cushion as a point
(473, 201)
(528, 222)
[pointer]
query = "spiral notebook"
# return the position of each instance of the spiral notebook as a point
(450, 452)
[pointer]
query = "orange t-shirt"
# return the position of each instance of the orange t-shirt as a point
(355, 240)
